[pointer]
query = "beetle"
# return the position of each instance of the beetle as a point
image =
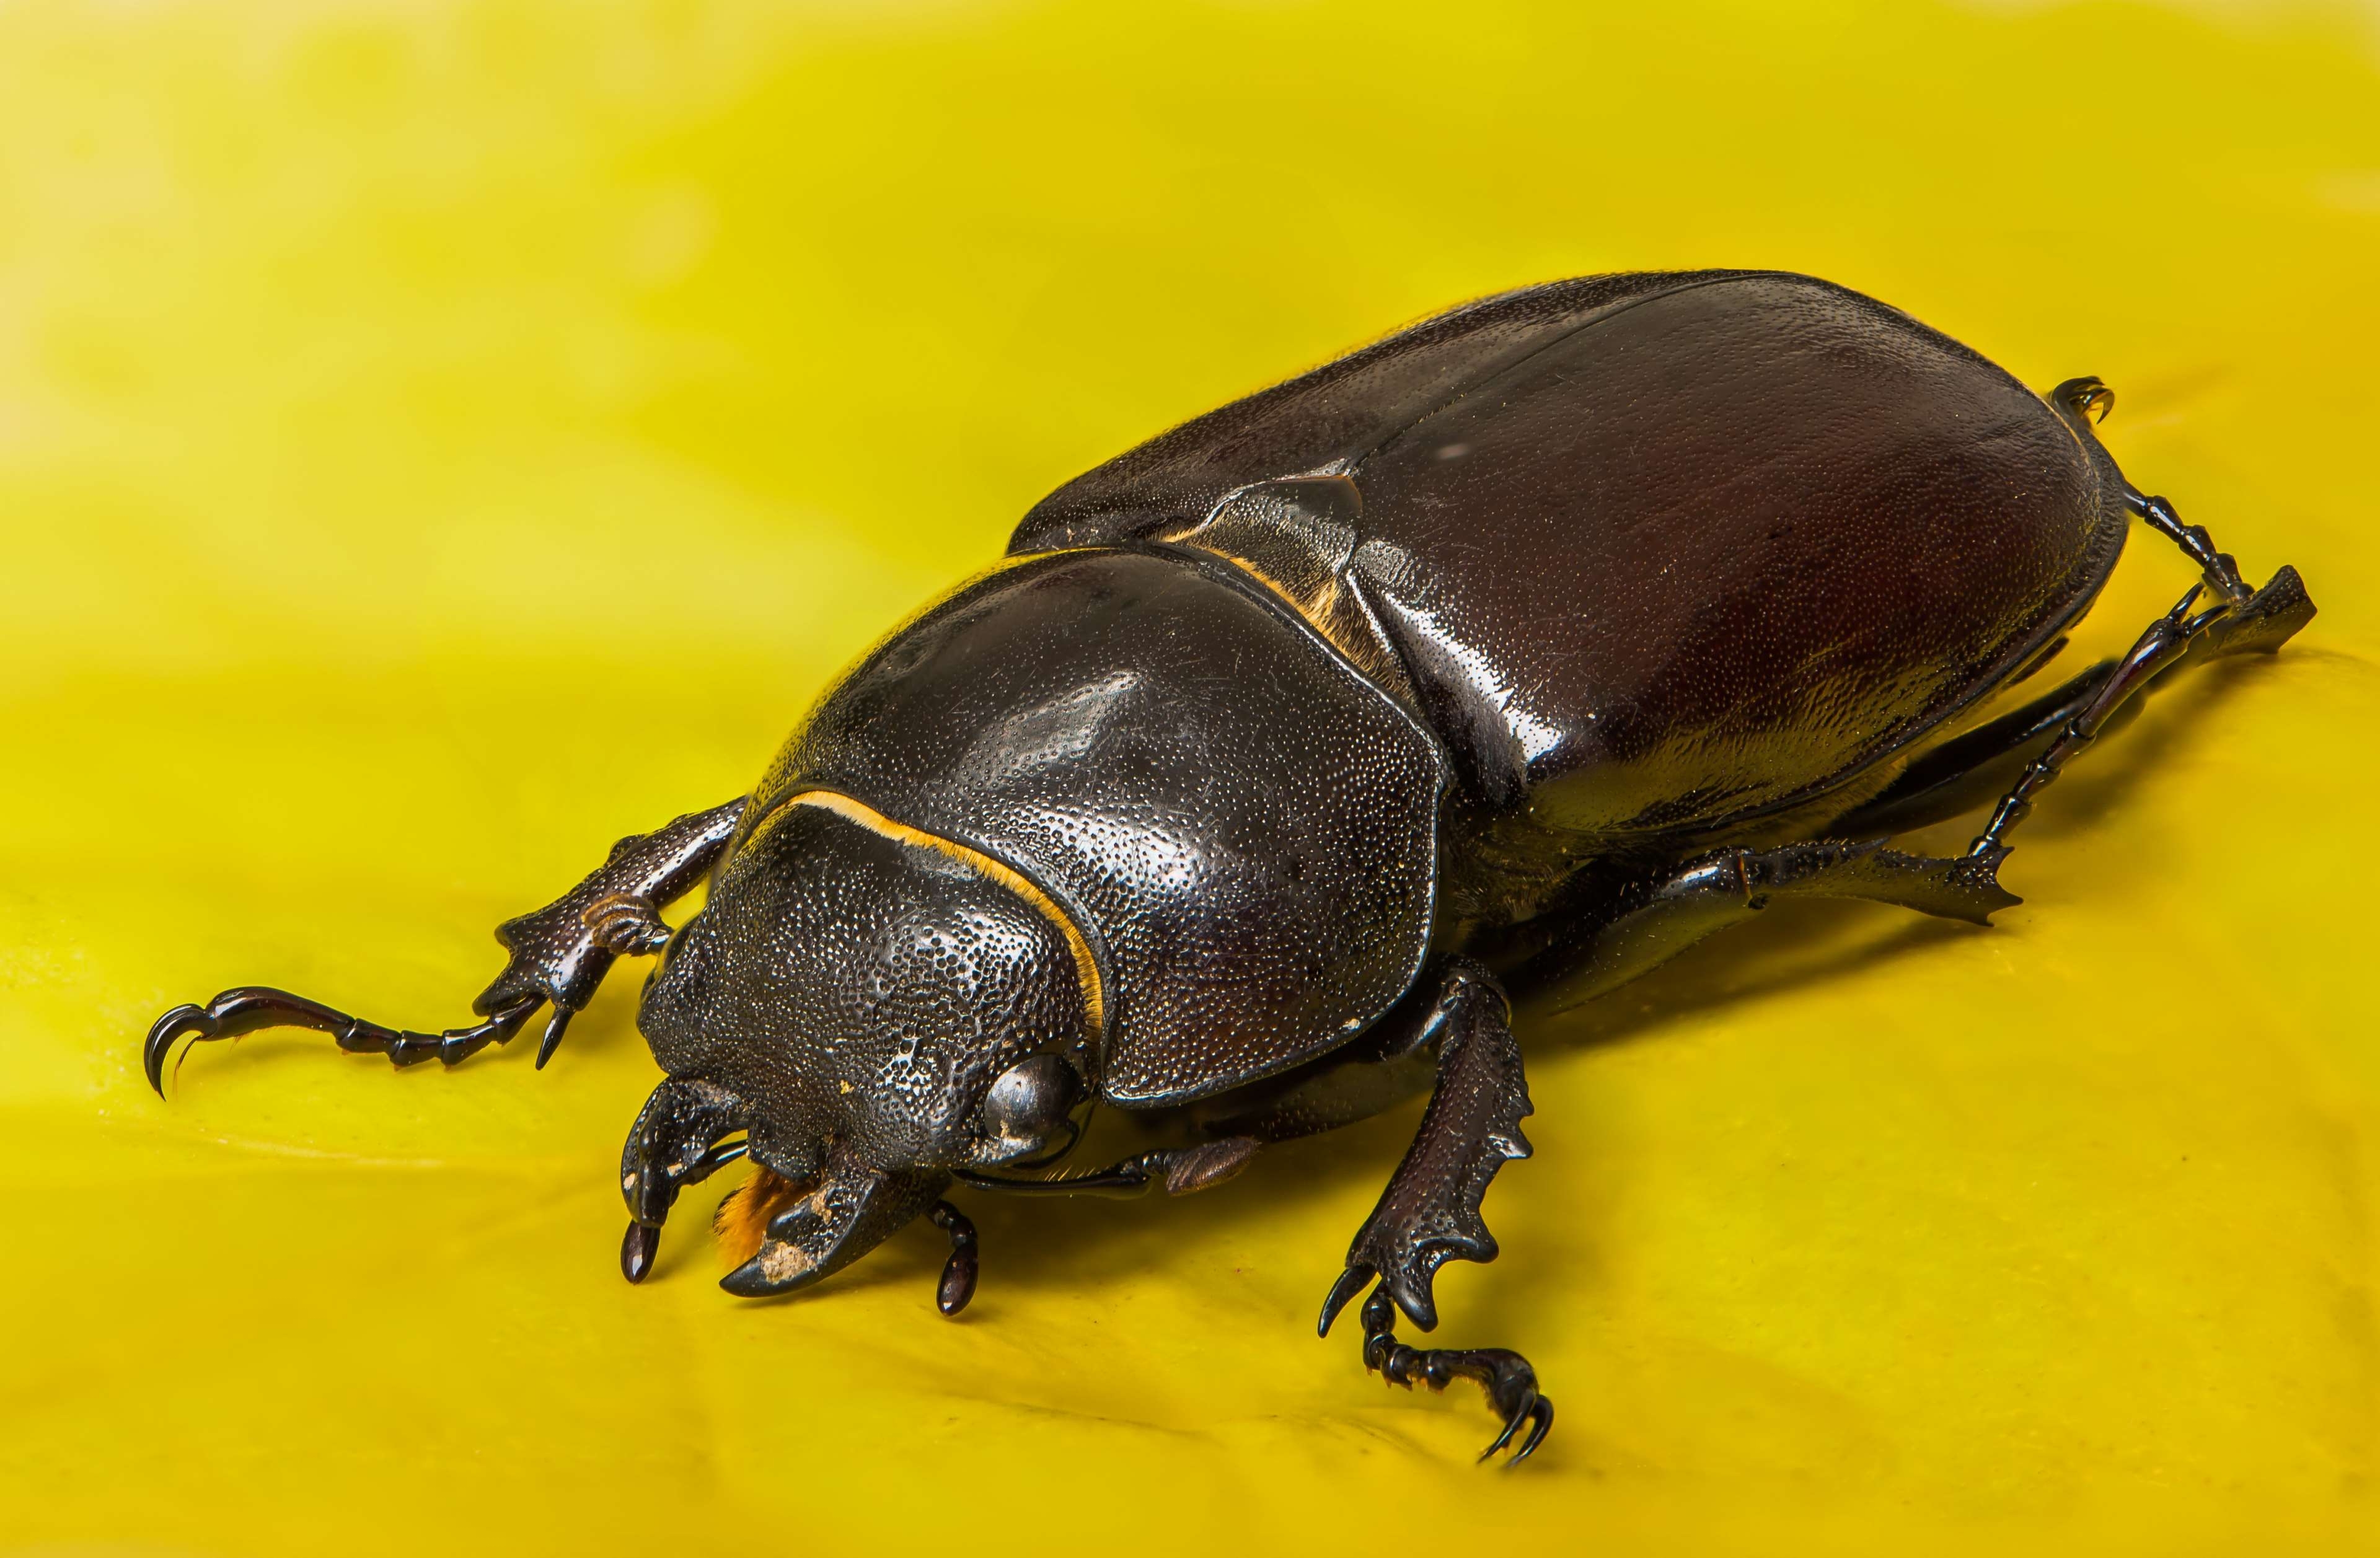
(1502, 659)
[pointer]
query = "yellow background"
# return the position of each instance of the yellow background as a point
(437, 439)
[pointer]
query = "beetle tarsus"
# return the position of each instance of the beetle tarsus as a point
(2085, 396)
(1975, 767)
(2241, 621)
(2222, 572)
(1509, 1379)
(251, 1008)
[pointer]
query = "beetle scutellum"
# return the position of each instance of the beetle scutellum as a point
(1516, 652)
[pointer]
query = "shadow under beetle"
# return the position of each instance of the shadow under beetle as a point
(1513, 654)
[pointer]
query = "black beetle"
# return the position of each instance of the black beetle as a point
(1516, 652)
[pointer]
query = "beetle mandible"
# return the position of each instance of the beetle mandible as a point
(1504, 658)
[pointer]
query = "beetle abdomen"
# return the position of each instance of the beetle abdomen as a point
(1658, 554)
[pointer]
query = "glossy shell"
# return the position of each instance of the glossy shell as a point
(1655, 555)
(1241, 827)
(1384, 656)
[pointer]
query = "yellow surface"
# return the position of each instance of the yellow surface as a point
(436, 440)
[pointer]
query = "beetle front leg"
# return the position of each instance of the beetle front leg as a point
(1429, 1212)
(562, 952)
(560, 955)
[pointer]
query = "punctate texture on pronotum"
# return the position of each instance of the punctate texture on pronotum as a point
(1496, 662)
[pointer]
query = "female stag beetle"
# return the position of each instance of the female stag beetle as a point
(1511, 655)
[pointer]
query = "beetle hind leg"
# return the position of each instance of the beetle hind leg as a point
(2241, 620)
(1977, 767)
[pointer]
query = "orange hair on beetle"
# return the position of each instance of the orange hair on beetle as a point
(742, 1220)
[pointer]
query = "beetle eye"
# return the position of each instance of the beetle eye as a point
(1028, 1105)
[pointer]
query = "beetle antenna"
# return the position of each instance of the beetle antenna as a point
(1058, 1154)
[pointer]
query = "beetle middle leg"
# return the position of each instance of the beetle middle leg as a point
(1429, 1212)
(560, 955)
(1646, 921)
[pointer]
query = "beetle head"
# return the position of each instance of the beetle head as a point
(888, 1006)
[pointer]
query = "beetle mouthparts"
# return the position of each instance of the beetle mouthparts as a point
(637, 1248)
(851, 1210)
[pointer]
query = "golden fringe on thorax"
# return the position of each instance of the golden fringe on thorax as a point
(1087, 969)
